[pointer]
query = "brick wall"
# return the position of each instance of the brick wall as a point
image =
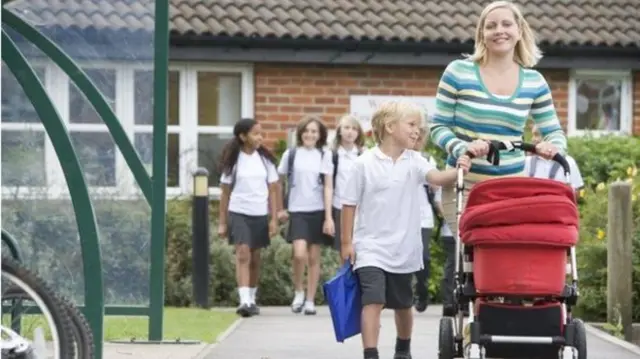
(285, 92)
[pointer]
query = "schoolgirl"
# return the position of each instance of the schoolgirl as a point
(347, 146)
(307, 170)
(249, 192)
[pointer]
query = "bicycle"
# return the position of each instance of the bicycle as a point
(69, 330)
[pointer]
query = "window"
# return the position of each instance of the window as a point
(23, 136)
(600, 103)
(204, 102)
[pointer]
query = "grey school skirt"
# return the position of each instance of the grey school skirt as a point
(252, 231)
(308, 226)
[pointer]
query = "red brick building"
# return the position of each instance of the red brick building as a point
(277, 60)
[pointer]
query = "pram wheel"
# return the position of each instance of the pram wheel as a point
(577, 330)
(446, 339)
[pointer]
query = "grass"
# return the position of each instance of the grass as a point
(179, 323)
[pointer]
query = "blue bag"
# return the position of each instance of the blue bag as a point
(342, 293)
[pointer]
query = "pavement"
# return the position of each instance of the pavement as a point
(279, 334)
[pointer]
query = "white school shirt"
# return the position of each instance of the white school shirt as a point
(543, 167)
(426, 212)
(345, 162)
(445, 231)
(387, 221)
(307, 192)
(250, 194)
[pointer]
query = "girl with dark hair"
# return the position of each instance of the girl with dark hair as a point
(308, 171)
(249, 184)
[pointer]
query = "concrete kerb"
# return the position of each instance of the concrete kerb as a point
(591, 329)
(222, 336)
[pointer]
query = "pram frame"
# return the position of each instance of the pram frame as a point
(465, 293)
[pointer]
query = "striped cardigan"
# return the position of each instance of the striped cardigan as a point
(465, 106)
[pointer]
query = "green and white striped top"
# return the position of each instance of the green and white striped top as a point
(465, 106)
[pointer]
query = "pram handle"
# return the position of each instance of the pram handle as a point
(496, 146)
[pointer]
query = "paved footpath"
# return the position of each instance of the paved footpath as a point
(279, 334)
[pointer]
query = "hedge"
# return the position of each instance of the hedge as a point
(48, 235)
(601, 161)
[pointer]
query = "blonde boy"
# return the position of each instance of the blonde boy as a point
(381, 221)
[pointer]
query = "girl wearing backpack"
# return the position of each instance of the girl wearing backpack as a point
(308, 171)
(347, 146)
(249, 192)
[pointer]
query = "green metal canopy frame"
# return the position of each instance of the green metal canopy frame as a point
(153, 189)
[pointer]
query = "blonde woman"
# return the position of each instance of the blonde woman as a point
(347, 146)
(489, 96)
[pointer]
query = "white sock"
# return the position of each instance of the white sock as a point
(299, 298)
(252, 295)
(245, 295)
(309, 304)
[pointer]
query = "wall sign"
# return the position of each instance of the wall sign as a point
(363, 106)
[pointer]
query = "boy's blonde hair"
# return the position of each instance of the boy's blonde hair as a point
(527, 53)
(391, 112)
(353, 121)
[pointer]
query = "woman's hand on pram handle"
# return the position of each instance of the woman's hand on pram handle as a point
(478, 148)
(546, 150)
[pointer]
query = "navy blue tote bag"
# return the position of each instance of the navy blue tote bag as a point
(342, 293)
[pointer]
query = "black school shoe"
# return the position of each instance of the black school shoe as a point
(255, 310)
(402, 356)
(244, 310)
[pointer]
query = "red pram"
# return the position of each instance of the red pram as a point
(516, 237)
(520, 230)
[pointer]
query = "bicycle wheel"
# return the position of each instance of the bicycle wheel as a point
(82, 334)
(54, 312)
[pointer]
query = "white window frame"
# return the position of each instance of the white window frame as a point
(57, 86)
(626, 101)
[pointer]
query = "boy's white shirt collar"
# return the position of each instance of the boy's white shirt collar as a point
(378, 153)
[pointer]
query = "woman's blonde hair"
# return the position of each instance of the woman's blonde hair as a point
(348, 120)
(390, 112)
(527, 53)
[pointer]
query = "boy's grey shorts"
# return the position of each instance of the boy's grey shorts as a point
(393, 290)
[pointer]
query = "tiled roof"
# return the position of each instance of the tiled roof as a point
(556, 22)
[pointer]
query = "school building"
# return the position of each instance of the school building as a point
(279, 60)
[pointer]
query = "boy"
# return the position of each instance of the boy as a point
(538, 167)
(381, 221)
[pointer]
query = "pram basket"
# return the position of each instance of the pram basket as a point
(514, 249)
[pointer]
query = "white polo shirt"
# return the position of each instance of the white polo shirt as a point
(345, 162)
(543, 169)
(307, 192)
(387, 222)
(250, 194)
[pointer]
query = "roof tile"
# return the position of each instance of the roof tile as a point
(556, 22)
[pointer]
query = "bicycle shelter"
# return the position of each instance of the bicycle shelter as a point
(37, 36)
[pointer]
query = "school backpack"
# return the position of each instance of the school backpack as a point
(234, 173)
(286, 189)
(335, 159)
(552, 172)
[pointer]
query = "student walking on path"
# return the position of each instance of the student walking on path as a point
(308, 173)
(381, 222)
(249, 190)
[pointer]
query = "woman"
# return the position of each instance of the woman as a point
(489, 96)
